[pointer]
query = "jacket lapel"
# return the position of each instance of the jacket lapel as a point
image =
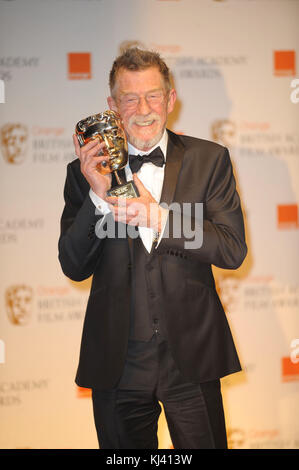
(175, 153)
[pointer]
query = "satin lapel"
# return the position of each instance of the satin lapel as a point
(175, 153)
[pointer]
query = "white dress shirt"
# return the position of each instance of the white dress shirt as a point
(152, 178)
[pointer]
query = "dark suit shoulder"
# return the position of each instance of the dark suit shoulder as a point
(191, 142)
(195, 147)
(75, 165)
(74, 173)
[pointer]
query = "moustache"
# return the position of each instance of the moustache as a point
(139, 120)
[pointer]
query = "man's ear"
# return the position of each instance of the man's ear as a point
(112, 104)
(171, 100)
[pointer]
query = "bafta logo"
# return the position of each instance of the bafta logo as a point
(235, 438)
(18, 300)
(229, 290)
(13, 141)
(223, 131)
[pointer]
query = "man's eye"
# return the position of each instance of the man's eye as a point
(155, 97)
(131, 99)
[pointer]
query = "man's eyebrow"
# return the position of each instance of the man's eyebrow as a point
(136, 94)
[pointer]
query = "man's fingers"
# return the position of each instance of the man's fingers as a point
(92, 157)
(120, 207)
(76, 145)
(92, 148)
(92, 144)
(116, 201)
(87, 146)
(122, 216)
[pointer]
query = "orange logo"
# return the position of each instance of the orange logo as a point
(79, 65)
(287, 215)
(284, 63)
(83, 392)
(290, 370)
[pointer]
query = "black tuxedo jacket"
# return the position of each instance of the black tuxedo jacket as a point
(198, 333)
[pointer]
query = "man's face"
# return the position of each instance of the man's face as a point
(140, 97)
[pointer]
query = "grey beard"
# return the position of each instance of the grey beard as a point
(145, 145)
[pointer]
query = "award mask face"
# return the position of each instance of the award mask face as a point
(108, 128)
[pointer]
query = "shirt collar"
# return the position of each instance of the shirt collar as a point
(162, 144)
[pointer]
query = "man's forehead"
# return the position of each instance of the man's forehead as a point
(132, 80)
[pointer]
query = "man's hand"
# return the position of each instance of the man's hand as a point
(90, 159)
(143, 211)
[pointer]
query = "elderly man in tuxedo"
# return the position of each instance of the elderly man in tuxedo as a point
(155, 330)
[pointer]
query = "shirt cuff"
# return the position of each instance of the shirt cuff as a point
(100, 203)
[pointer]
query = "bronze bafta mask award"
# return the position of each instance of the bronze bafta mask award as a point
(108, 128)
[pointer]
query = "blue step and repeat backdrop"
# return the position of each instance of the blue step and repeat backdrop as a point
(235, 68)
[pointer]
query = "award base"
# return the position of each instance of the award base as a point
(127, 190)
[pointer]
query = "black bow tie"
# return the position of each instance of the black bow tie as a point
(156, 157)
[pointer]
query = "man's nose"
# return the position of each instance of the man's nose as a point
(143, 107)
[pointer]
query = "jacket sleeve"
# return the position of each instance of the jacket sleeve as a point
(217, 222)
(78, 247)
